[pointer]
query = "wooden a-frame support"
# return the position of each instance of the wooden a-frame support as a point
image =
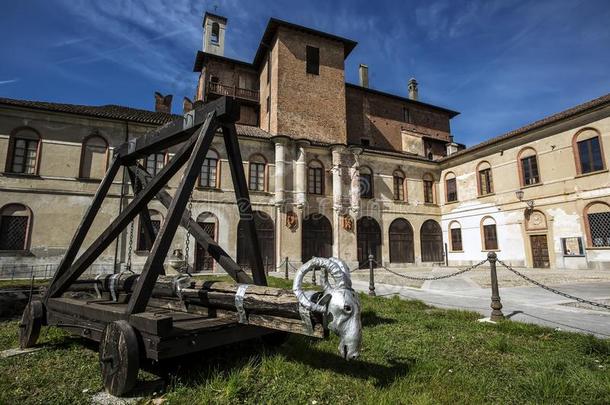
(196, 132)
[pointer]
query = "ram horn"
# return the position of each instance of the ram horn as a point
(334, 267)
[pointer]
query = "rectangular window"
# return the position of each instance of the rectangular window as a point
(599, 226)
(155, 162)
(490, 237)
(406, 115)
(365, 142)
(142, 243)
(428, 192)
(399, 188)
(13, 230)
(315, 180)
(590, 154)
(451, 190)
(530, 170)
(268, 105)
(313, 60)
(485, 182)
(257, 176)
(207, 177)
(24, 156)
(456, 239)
(366, 185)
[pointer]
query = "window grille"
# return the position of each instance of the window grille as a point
(599, 227)
(13, 230)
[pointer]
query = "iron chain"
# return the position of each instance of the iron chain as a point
(457, 273)
(188, 234)
(130, 248)
(554, 291)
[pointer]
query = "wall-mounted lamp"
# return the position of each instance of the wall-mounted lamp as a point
(519, 194)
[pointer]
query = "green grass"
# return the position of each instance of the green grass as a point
(6, 284)
(412, 353)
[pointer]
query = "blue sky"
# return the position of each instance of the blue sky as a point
(501, 63)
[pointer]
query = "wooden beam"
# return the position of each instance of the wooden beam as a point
(243, 202)
(145, 222)
(122, 220)
(154, 262)
(223, 259)
(86, 222)
(177, 131)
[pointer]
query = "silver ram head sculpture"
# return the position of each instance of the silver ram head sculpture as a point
(339, 303)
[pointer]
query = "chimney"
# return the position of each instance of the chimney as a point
(413, 89)
(451, 146)
(163, 103)
(363, 73)
(187, 105)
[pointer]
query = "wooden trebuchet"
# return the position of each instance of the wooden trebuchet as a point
(273, 308)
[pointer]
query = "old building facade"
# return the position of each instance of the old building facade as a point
(333, 169)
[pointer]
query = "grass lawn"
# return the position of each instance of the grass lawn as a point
(412, 353)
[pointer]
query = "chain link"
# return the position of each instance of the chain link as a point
(457, 273)
(135, 187)
(554, 291)
(188, 233)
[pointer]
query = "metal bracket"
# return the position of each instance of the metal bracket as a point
(189, 120)
(239, 302)
(97, 288)
(179, 284)
(112, 285)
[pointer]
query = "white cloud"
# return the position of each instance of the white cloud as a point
(8, 81)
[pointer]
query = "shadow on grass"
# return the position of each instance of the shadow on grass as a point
(370, 318)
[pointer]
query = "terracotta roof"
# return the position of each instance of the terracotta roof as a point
(117, 112)
(551, 119)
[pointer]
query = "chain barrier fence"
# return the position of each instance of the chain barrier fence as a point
(553, 290)
(434, 278)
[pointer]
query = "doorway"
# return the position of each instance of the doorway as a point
(540, 251)
(369, 241)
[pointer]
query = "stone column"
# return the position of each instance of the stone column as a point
(301, 174)
(280, 169)
(354, 172)
(337, 169)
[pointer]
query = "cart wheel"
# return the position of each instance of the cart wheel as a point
(119, 357)
(275, 339)
(31, 321)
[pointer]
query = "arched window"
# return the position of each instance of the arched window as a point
(428, 181)
(23, 152)
(528, 167)
(490, 235)
(215, 37)
(15, 221)
(455, 237)
(368, 240)
(257, 173)
(451, 194)
(155, 162)
(484, 179)
(597, 221)
(209, 224)
(399, 185)
(209, 170)
(156, 220)
(588, 151)
(401, 241)
(317, 237)
(315, 177)
(366, 183)
(94, 158)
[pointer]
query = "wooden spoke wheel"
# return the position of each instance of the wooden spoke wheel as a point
(119, 357)
(31, 321)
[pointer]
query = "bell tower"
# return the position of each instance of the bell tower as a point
(214, 27)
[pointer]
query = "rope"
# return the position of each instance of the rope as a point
(457, 273)
(554, 291)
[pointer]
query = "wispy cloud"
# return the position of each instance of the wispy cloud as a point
(8, 81)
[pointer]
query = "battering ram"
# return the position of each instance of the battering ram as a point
(339, 303)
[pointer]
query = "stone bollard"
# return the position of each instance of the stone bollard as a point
(286, 268)
(496, 304)
(371, 277)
